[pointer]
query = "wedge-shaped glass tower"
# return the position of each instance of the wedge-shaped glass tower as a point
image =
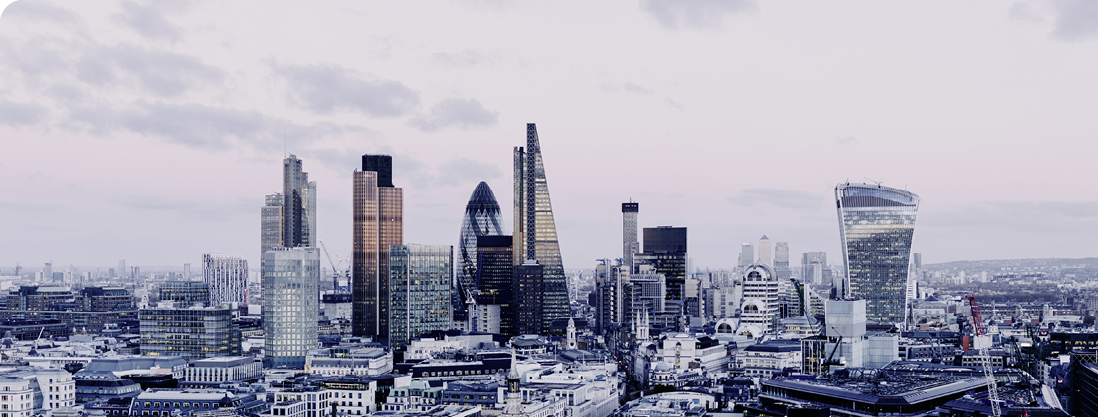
(535, 234)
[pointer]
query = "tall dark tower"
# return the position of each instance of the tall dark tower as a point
(535, 234)
(378, 218)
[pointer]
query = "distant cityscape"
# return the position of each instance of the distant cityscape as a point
(497, 325)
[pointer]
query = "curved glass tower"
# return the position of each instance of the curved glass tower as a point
(482, 218)
(876, 224)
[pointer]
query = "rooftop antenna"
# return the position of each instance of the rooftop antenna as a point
(873, 181)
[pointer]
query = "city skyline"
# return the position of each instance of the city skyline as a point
(188, 97)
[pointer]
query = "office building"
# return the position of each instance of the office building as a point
(270, 228)
(187, 271)
(747, 255)
(630, 245)
(814, 269)
(185, 294)
(191, 333)
(420, 285)
(876, 226)
(226, 277)
(482, 218)
(665, 251)
(764, 252)
(290, 283)
(378, 223)
(759, 308)
(495, 281)
(536, 231)
(123, 273)
(781, 261)
(611, 278)
(529, 298)
(298, 205)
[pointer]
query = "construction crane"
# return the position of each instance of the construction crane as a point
(335, 268)
(982, 342)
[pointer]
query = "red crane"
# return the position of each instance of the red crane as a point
(982, 342)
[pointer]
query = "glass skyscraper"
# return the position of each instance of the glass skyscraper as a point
(495, 279)
(876, 224)
(226, 276)
(299, 205)
(482, 218)
(535, 234)
(378, 223)
(290, 307)
(270, 229)
(420, 278)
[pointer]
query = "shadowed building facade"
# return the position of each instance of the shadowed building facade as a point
(420, 282)
(495, 280)
(378, 220)
(482, 218)
(876, 225)
(535, 236)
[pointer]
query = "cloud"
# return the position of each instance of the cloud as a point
(1024, 216)
(455, 112)
(21, 114)
(697, 14)
(790, 199)
(678, 106)
(161, 72)
(466, 58)
(198, 126)
(1071, 20)
(627, 87)
(327, 88)
(40, 10)
(148, 19)
(464, 171)
(846, 140)
(205, 209)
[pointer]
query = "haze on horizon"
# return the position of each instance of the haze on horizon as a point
(152, 131)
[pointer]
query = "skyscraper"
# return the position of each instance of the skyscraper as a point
(536, 232)
(290, 282)
(814, 269)
(665, 250)
(630, 245)
(747, 255)
(123, 273)
(270, 228)
(781, 261)
(530, 298)
(226, 276)
(378, 223)
(482, 218)
(421, 277)
(299, 205)
(876, 225)
(764, 252)
(495, 279)
(760, 299)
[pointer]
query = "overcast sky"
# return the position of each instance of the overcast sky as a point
(152, 131)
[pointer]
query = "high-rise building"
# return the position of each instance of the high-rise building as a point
(270, 228)
(611, 278)
(814, 269)
(378, 223)
(298, 206)
(420, 284)
(290, 283)
(764, 252)
(665, 250)
(876, 225)
(495, 279)
(529, 298)
(781, 261)
(760, 299)
(193, 333)
(630, 245)
(747, 255)
(226, 277)
(482, 218)
(186, 271)
(123, 273)
(536, 233)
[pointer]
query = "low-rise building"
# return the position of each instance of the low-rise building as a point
(216, 371)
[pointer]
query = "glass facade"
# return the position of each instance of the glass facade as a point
(193, 333)
(495, 279)
(482, 218)
(420, 278)
(665, 250)
(876, 225)
(630, 245)
(298, 205)
(378, 223)
(290, 306)
(529, 298)
(226, 277)
(535, 234)
(185, 293)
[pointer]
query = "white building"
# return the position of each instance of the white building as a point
(30, 390)
(759, 309)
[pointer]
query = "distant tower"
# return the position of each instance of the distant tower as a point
(226, 276)
(378, 213)
(764, 252)
(642, 327)
(876, 225)
(270, 228)
(298, 206)
(747, 255)
(781, 261)
(514, 396)
(570, 341)
(123, 273)
(630, 245)
(536, 231)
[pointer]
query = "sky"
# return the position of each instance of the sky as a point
(151, 131)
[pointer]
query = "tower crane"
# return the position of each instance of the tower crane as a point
(982, 342)
(335, 269)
